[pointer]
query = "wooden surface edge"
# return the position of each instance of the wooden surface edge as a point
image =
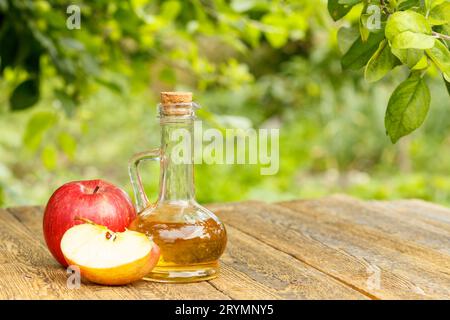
(238, 279)
(319, 242)
(413, 251)
(330, 243)
(50, 274)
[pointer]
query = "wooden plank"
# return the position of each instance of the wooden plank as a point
(351, 254)
(273, 272)
(251, 269)
(386, 241)
(425, 214)
(29, 272)
(31, 217)
(427, 209)
(26, 271)
(423, 241)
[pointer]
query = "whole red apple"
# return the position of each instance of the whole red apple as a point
(95, 200)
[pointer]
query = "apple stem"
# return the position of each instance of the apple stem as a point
(96, 189)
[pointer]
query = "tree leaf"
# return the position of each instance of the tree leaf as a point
(363, 30)
(407, 107)
(360, 52)
(429, 3)
(380, 64)
(402, 21)
(408, 4)
(422, 64)
(408, 30)
(67, 103)
(71, 44)
(409, 57)
(170, 9)
(25, 95)
(252, 34)
(339, 8)
(68, 144)
(345, 37)
(110, 84)
(447, 84)
(243, 5)
(49, 157)
(349, 2)
(440, 55)
(411, 40)
(277, 33)
(38, 124)
(440, 14)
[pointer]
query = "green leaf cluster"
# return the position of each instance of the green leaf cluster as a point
(126, 46)
(411, 33)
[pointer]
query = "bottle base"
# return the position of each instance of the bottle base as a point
(184, 274)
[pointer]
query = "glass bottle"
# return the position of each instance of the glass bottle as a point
(191, 238)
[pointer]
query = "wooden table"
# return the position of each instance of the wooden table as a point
(332, 248)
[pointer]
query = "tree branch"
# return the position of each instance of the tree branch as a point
(384, 8)
(441, 36)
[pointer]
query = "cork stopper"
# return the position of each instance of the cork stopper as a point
(176, 103)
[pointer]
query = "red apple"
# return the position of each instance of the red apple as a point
(96, 200)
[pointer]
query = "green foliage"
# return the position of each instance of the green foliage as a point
(25, 95)
(360, 52)
(250, 63)
(380, 64)
(408, 30)
(415, 35)
(440, 55)
(67, 144)
(407, 107)
(440, 14)
(38, 124)
(339, 8)
(120, 41)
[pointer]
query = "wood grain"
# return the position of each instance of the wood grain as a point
(386, 242)
(254, 270)
(315, 233)
(250, 270)
(331, 248)
(428, 215)
(387, 217)
(402, 234)
(29, 271)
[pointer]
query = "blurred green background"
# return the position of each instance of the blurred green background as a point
(249, 62)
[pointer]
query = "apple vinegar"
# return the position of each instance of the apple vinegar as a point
(190, 237)
(185, 246)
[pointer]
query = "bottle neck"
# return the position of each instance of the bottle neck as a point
(177, 166)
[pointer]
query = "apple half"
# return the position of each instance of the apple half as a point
(107, 257)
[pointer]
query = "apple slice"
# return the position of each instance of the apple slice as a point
(107, 257)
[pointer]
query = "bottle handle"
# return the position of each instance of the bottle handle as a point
(141, 199)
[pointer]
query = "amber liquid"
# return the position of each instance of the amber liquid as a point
(189, 250)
